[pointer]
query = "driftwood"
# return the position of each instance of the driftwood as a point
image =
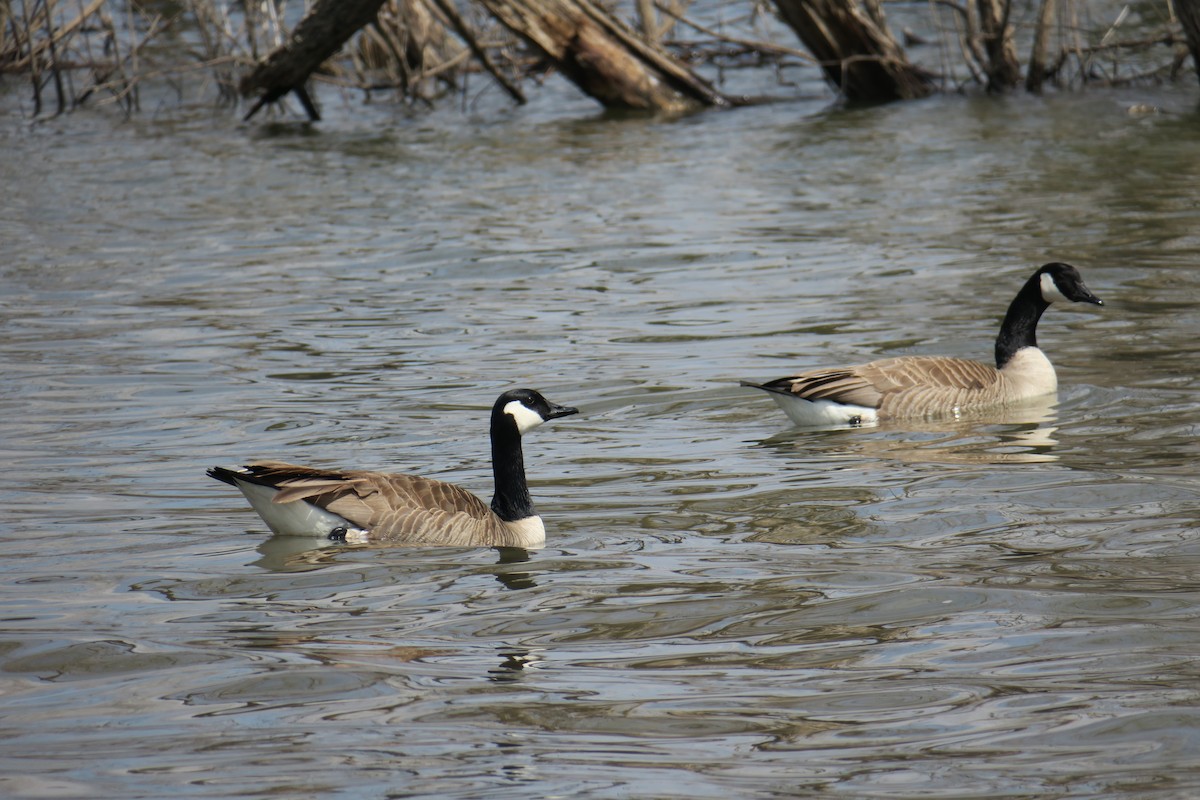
(322, 32)
(604, 57)
(600, 54)
(855, 49)
(626, 69)
(411, 46)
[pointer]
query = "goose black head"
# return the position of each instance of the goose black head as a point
(527, 409)
(1058, 281)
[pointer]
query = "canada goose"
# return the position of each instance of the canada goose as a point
(928, 386)
(359, 506)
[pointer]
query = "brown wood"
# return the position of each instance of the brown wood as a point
(322, 32)
(1037, 54)
(856, 51)
(460, 26)
(604, 57)
(1188, 12)
(1003, 69)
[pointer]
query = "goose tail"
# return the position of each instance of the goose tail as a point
(774, 387)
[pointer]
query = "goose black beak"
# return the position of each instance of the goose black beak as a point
(561, 411)
(1077, 292)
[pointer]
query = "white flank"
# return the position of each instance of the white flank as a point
(298, 518)
(823, 413)
(1050, 290)
(526, 418)
(531, 531)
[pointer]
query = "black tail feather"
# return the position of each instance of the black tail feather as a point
(224, 475)
(780, 386)
(246, 475)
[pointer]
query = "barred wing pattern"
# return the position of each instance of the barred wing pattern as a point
(908, 386)
(391, 507)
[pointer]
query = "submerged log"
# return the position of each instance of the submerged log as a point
(604, 57)
(322, 32)
(857, 52)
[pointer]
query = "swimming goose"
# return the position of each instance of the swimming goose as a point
(930, 386)
(363, 506)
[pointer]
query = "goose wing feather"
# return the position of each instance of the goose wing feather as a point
(930, 372)
(908, 384)
(838, 385)
(390, 506)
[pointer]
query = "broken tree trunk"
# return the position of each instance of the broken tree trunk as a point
(855, 49)
(322, 32)
(1037, 54)
(1189, 16)
(604, 57)
(1003, 69)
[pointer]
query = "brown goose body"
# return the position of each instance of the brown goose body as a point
(374, 506)
(934, 386)
(379, 506)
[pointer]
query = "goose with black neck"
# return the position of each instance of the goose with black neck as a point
(363, 506)
(936, 386)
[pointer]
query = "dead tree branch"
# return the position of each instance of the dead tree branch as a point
(465, 33)
(322, 32)
(605, 58)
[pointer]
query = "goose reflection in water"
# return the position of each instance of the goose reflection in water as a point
(1020, 434)
(283, 553)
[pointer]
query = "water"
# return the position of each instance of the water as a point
(1003, 606)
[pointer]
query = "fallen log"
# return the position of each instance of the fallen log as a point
(855, 49)
(322, 32)
(605, 58)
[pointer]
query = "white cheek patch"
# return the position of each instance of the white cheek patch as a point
(1050, 292)
(525, 417)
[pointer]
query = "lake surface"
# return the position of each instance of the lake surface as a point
(1001, 606)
